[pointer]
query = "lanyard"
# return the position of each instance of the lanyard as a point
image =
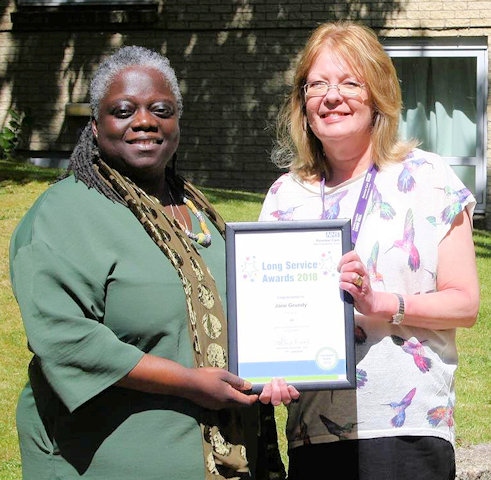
(361, 206)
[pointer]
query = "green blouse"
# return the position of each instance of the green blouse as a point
(95, 292)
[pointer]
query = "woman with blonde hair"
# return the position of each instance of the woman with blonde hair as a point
(411, 218)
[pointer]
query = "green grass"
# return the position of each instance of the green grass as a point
(20, 184)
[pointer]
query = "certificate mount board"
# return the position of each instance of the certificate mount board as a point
(287, 316)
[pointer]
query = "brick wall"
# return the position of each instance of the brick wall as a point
(234, 60)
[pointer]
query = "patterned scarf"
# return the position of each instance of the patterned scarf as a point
(223, 431)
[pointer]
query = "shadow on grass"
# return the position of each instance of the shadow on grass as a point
(482, 243)
(20, 172)
(216, 195)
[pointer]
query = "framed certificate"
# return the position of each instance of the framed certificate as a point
(287, 316)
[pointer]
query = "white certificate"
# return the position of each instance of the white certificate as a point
(287, 316)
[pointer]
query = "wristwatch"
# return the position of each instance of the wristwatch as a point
(399, 316)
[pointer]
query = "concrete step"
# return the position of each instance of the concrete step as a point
(474, 462)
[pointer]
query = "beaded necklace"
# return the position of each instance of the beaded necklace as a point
(202, 238)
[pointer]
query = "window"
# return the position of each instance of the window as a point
(59, 3)
(444, 91)
(82, 15)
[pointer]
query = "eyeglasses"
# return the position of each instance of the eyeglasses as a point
(320, 88)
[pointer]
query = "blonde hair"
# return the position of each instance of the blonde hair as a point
(297, 148)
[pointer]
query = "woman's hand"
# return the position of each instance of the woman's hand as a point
(278, 391)
(209, 387)
(455, 301)
(355, 280)
(215, 389)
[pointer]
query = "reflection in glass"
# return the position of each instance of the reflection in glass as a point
(439, 103)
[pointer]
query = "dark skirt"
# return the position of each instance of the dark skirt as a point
(391, 458)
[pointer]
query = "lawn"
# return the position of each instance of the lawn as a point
(20, 184)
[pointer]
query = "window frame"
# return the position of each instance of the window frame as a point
(81, 3)
(457, 47)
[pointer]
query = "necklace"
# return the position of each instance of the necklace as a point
(205, 317)
(202, 238)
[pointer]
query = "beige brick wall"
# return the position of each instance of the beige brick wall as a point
(234, 60)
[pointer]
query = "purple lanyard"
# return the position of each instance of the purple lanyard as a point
(361, 206)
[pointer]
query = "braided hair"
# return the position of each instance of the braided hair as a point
(86, 152)
(82, 160)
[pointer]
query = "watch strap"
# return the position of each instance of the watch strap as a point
(398, 317)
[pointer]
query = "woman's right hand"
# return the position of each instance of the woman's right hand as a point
(278, 391)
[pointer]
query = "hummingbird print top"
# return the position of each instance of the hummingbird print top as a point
(404, 375)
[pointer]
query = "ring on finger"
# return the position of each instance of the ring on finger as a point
(358, 281)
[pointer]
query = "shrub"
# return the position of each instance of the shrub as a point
(10, 134)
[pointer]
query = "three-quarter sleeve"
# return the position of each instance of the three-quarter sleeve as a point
(60, 270)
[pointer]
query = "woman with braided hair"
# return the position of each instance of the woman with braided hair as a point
(119, 273)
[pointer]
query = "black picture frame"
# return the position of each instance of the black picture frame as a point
(287, 316)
